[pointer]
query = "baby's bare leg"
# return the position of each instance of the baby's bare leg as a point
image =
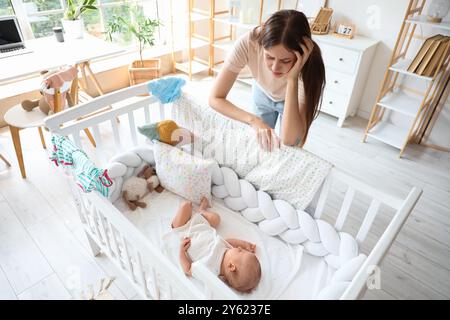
(183, 215)
(212, 217)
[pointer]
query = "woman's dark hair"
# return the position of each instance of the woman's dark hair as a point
(288, 27)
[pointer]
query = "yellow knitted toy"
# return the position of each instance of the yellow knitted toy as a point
(162, 131)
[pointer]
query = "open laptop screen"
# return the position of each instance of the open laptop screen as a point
(9, 33)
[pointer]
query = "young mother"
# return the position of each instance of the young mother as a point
(289, 78)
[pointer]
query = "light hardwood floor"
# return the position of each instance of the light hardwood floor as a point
(44, 253)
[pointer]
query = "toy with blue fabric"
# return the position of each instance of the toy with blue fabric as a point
(167, 90)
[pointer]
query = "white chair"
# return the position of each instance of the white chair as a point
(17, 118)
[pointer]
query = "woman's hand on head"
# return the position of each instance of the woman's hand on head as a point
(267, 139)
(301, 59)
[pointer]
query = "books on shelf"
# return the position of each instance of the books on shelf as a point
(434, 50)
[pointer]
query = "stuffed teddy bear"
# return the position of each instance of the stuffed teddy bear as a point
(52, 79)
(167, 131)
(135, 188)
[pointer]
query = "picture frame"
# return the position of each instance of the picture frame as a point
(344, 30)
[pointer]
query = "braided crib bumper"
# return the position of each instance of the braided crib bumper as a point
(274, 217)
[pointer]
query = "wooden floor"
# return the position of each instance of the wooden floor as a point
(44, 254)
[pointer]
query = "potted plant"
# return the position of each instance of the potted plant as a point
(72, 21)
(143, 29)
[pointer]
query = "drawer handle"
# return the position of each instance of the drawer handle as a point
(330, 102)
(335, 81)
(341, 59)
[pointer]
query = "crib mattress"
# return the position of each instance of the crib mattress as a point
(287, 271)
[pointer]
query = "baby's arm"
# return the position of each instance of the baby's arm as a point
(243, 244)
(184, 259)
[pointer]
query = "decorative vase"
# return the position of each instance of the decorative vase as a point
(437, 10)
(74, 29)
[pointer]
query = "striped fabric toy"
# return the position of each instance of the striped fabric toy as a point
(88, 176)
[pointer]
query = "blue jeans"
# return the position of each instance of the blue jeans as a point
(265, 108)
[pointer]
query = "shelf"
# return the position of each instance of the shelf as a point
(400, 102)
(197, 67)
(422, 20)
(199, 17)
(402, 67)
(388, 133)
(226, 45)
(233, 22)
(195, 17)
(195, 43)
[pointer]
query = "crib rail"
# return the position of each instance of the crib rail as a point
(151, 273)
(378, 197)
(106, 110)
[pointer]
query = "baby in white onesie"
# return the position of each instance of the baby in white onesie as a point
(233, 260)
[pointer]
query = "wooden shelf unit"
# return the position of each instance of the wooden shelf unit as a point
(194, 64)
(226, 43)
(390, 98)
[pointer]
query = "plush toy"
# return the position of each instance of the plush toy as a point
(167, 131)
(135, 188)
(60, 78)
(29, 105)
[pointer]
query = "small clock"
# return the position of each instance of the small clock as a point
(346, 30)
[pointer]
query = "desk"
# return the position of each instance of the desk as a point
(48, 54)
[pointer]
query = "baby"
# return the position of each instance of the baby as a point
(233, 260)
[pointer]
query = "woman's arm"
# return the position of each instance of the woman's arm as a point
(218, 98)
(293, 122)
(218, 101)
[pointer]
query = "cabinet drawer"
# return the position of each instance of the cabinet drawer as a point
(338, 58)
(334, 103)
(339, 81)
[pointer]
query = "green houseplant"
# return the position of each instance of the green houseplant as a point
(73, 21)
(143, 30)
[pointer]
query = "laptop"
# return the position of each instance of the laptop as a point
(11, 38)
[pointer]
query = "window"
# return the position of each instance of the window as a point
(6, 8)
(42, 15)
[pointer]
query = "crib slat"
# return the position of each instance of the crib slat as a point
(345, 208)
(323, 197)
(162, 112)
(76, 138)
(97, 137)
(155, 284)
(132, 127)
(127, 259)
(147, 114)
(141, 274)
(103, 230)
(117, 141)
(368, 220)
(96, 223)
(115, 247)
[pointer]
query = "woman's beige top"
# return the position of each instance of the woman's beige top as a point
(248, 52)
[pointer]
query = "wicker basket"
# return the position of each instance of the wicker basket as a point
(142, 73)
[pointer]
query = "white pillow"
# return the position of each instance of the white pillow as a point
(182, 173)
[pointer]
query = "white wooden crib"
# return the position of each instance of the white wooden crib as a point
(150, 272)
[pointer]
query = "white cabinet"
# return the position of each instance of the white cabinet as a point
(347, 64)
